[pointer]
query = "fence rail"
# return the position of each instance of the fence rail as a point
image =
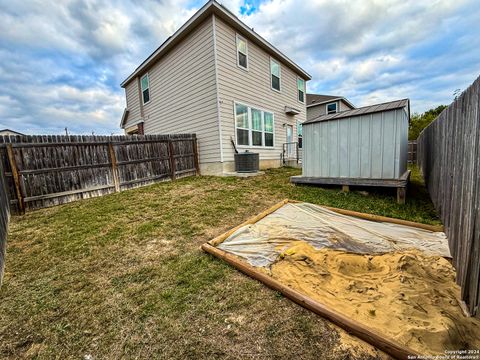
(42, 171)
(449, 157)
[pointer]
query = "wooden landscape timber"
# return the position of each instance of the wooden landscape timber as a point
(353, 327)
(43, 171)
(448, 155)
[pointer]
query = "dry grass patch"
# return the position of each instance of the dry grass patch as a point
(123, 276)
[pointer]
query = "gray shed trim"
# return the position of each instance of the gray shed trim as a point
(212, 7)
(392, 105)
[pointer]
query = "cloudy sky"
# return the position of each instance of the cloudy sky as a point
(61, 62)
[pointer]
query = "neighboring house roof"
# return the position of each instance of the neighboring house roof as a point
(124, 117)
(392, 105)
(317, 99)
(213, 7)
(10, 131)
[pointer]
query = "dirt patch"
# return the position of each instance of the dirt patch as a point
(406, 295)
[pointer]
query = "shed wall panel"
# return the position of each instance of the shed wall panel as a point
(368, 146)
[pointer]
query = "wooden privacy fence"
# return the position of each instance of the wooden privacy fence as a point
(4, 217)
(412, 151)
(42, 171)
(449, 157)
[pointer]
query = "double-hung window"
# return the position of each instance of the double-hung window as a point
(275, 74)
(301, 89)
(254, 127)
(242, 52)
(145, 84)
(332, 108)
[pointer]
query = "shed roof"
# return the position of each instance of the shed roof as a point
(392, 105)
(212, 7)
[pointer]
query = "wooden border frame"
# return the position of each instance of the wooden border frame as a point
(387, 345)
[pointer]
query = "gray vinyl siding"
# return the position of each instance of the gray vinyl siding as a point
(183, 93)
(253, 88)
(344, 106)
(369, 146)
(321, 109)
(133, 104)
(315, 111)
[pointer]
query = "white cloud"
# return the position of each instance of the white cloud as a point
(61, 63)
(374, 50)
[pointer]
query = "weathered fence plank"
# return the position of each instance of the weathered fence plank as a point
(4, 217)
(412, 151)
(448, 153)
(43, 171)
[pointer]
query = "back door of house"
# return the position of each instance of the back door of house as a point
(290, 141)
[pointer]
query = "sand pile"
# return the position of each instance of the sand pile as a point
(406, 295)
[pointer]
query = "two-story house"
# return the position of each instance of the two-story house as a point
(218, 78)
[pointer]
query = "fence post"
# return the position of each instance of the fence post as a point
(113, 160)
(171, 158)
(195, 156)
(16, 178)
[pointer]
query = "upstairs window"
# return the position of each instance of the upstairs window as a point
(242, 52)
(275, 73)
(332, 108)
(254, 127)
(145, 83)
(301, 90)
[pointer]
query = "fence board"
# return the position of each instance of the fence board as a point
(412, 151)
(448, 154)
(4, 217)
(47, 170)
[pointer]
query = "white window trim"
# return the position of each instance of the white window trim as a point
(240, 37)
(279, 73)
(141, 91)
(336, 108)
(249, 112)
(304, 90)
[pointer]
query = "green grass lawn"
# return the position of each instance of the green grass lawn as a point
(122, 276)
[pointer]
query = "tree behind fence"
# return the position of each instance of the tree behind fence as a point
(449, 157)
(43, 171)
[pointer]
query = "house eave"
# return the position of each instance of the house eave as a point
(212, 7)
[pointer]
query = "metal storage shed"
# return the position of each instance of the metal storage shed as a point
(366, 147)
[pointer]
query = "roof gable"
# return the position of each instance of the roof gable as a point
(10, 131)
(210, 8)
(317, 99)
